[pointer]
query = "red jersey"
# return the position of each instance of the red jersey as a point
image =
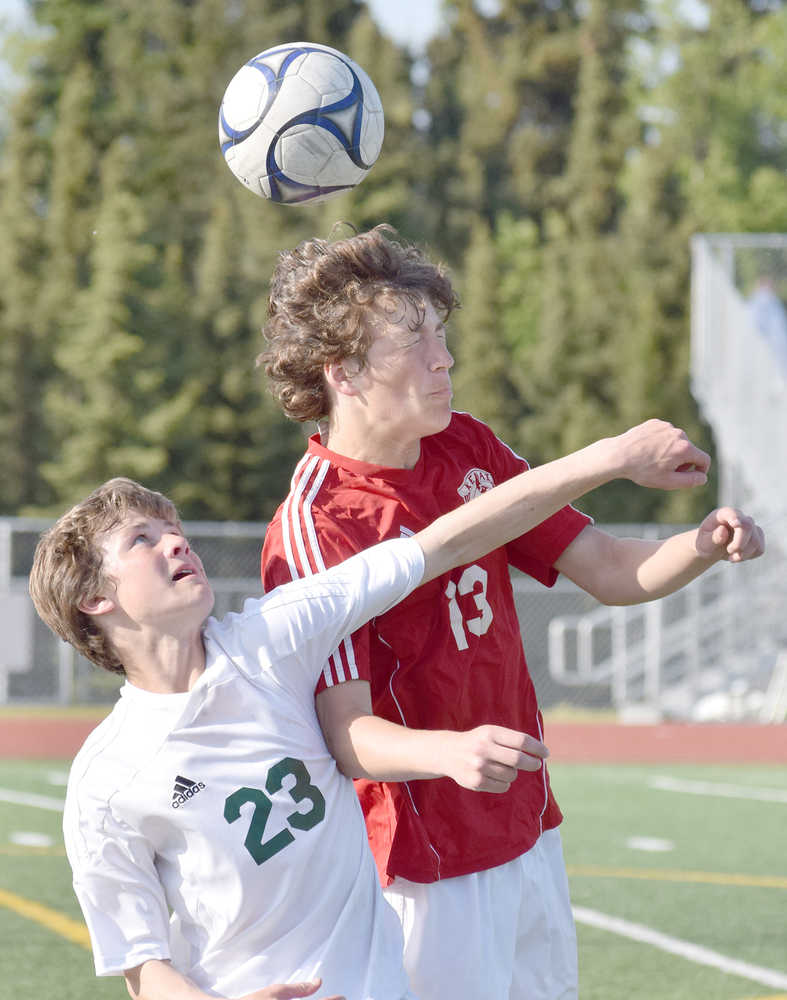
(450, 656)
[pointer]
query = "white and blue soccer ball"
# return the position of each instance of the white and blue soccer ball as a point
(300, 122)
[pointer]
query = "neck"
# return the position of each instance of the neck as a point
(162, 664)
(360, 445)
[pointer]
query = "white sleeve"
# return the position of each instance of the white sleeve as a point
(290, 632)
(117, 886)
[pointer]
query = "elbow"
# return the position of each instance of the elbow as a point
(340, 749)
(133, 978)
(601, 591)
(341, 740)
(617, 597)
(347, 763)
(342, 711)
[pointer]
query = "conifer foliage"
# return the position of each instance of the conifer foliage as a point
(135, 268)
(637, 124)
(561, 156)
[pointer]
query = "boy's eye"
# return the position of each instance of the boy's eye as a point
(141, 537)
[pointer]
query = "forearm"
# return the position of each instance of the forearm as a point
(371, 747)
(511, 509)
(485, 759)
(158, 980)
(672, 565)
(642, 570)
(633, 570)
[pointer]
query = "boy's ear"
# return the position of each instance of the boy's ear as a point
(96, 605)
(340, 374)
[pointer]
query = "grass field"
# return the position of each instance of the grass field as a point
(692, 859)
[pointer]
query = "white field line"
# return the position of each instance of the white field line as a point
(28, 799)
(685, 949)
(665, 783)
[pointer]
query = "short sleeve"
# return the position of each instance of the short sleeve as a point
(118, 888)
(536, 551)
(281, 564)
(290, 633)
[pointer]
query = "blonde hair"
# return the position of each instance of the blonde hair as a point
(68, 563)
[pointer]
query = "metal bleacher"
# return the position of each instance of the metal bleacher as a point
(718, 649)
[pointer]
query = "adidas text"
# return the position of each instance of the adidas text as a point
(185, 789)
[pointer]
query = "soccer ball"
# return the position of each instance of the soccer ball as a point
(300, 123)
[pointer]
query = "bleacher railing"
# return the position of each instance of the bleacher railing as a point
(738, 380)
(717, 649)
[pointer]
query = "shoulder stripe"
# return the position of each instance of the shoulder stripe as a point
(303, 553)
(292, 534)
(285, 517)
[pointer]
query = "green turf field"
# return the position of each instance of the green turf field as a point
(700, 862)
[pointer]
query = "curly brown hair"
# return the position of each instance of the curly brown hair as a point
(324, 299)
(68, 563)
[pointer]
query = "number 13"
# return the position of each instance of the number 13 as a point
(472, 581)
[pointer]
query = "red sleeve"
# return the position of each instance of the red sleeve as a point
(536, 551)
(285, 559)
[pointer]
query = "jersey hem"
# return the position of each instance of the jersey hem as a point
(108, 969)
(468, 866)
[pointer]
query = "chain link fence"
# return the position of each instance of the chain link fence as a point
(41, 669)
(36, 667)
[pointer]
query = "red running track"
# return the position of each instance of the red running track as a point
(575, 742)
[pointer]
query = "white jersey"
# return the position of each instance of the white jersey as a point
(213, 827)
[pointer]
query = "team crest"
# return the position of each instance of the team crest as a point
(476, 481)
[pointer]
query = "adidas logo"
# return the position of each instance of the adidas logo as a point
(184, 790)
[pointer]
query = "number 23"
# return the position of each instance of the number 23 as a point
(262, 850)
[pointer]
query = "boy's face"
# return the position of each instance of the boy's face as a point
(406, 382)
(152, 576)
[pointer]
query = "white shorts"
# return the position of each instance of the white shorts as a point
(502, 934)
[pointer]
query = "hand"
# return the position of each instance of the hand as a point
(488, 758)
(728, 534)
(660, 456)
(289, 991)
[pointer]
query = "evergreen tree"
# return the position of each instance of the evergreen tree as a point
(24, 438)
(494, 331)
(500, 105)
(134, 269)
(728, 117)
(480, 381)
(571, 386)
(145, 260)
(102, 359)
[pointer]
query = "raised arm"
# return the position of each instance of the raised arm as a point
(488, 757)
(653, 454)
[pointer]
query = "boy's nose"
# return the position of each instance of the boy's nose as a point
(442, 359)
(177, 545)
